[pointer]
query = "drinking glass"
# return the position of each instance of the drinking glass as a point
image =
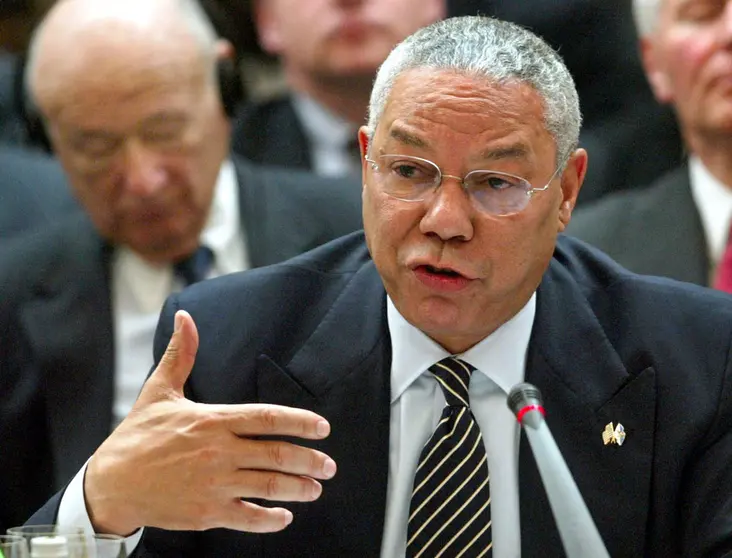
(13, 546)
(98, 546)
(29, 532)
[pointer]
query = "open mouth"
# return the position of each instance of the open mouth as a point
(440, 271)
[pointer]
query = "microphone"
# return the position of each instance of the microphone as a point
(577, 530)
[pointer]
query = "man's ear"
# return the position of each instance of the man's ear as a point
(572, 179)
(655, 71)
(268, 28)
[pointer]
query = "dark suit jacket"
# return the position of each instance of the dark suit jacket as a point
(33, 192)
(270, 133)
(57, 354)
(606, 346)
(656, 231)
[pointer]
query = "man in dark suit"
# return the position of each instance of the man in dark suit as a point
(350, 356)
(33, 192)
(329, 53)
(146, 153)
(679, 226)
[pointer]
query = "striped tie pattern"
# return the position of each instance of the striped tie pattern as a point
(449, 513)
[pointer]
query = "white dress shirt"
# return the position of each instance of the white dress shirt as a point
(416, 405)
(328, 136)
(713, 199)
(139, 290)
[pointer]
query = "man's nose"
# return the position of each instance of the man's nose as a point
(450, 212)
(143, 173)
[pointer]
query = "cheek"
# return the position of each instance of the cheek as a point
(387, 224)
(686, 57)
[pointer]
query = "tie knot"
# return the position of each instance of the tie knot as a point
(195, 267)
(453, 375)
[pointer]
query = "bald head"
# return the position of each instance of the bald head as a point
(129, 98)
(83, 40)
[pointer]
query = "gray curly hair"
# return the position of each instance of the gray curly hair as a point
(495, 49)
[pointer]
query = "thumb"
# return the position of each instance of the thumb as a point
(177, 362)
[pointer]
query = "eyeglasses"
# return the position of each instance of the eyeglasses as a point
(414, 179)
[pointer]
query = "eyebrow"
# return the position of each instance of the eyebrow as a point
(166, 117)
(406, 138)
(515, 151)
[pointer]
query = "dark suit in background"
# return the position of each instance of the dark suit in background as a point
(57, 356)
(622, 120)
(12, 126)
(606, 346)
(33, 192)
(655, 230)
(270, 132)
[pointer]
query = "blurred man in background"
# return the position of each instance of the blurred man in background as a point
(679, 227)
(329, 51)
(139, 119)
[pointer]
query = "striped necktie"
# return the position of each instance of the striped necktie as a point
(449, 514)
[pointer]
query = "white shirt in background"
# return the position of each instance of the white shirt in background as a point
(140, 288)
(328, 136)
(714, 202)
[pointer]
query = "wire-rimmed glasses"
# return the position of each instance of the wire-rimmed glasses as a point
(414, 179)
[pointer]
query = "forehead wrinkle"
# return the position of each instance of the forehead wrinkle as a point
(515, 151)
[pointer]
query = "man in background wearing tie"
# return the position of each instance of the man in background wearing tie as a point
(679, 226)
(388, 355)
(131, 98)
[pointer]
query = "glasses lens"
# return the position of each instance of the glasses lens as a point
(408, 178)
(498, 193)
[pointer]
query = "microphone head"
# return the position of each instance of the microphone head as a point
(523, 395)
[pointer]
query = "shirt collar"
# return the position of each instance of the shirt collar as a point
(320, 125)
(501, 356)
(150, 283)
(713, 199)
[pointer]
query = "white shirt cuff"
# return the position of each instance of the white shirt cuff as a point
(72, 510)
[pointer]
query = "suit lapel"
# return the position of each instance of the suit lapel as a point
(349, 385)
(586, 386)
(68, 323)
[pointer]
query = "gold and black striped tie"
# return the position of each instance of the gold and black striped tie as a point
(450, 514)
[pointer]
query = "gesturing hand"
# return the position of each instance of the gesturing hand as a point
(176, 464)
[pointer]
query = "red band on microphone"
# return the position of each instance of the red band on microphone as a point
(522, 412)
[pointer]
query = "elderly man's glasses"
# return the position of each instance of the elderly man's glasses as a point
(414, 179)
